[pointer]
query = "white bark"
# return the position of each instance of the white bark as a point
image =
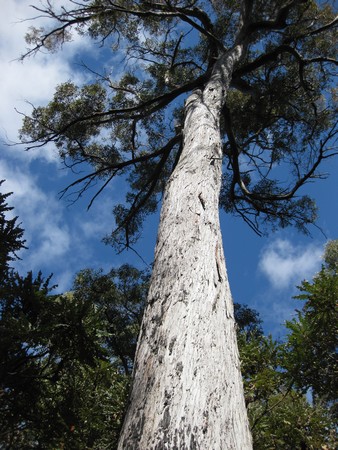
(187, 389)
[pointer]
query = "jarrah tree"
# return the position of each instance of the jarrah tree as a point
(221, 103)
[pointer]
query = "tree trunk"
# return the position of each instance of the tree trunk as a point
(187, 389)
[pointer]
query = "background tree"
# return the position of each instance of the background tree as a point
(120, 295)
(331, 255)
(64, 377)
(281, 417)
(312, 340)
(64, 359)
(279, 376)
(11, 236)
(258, 83)
(248, 321)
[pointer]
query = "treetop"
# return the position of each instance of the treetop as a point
(277, 125)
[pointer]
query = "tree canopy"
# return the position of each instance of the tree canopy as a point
(278, 123)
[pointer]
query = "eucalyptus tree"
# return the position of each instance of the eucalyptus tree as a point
(220, 103)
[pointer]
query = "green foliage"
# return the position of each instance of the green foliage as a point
(65, 359)
(70, 103)
(280, 376)
(247, 321)
(280, 415)
(287, 422)
(312, 341)
(51, 354)
(260, 360)
(11, 236)
(331, 255)
(62, 361)
(120, 297)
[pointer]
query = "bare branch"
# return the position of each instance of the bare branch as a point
(146, 191)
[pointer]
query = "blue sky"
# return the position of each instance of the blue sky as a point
(64, 238)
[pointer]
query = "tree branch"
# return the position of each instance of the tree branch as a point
(275, 24)
(237, 178)
(118, 167)
(145, 192)
(140, 111)
(272, 56)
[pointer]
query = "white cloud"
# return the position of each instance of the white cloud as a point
(285, 264)
(33, 80)
(60, 239)
(41, 215)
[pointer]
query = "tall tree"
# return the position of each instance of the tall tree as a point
(257, 80)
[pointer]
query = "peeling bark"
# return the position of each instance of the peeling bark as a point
(187, 389)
